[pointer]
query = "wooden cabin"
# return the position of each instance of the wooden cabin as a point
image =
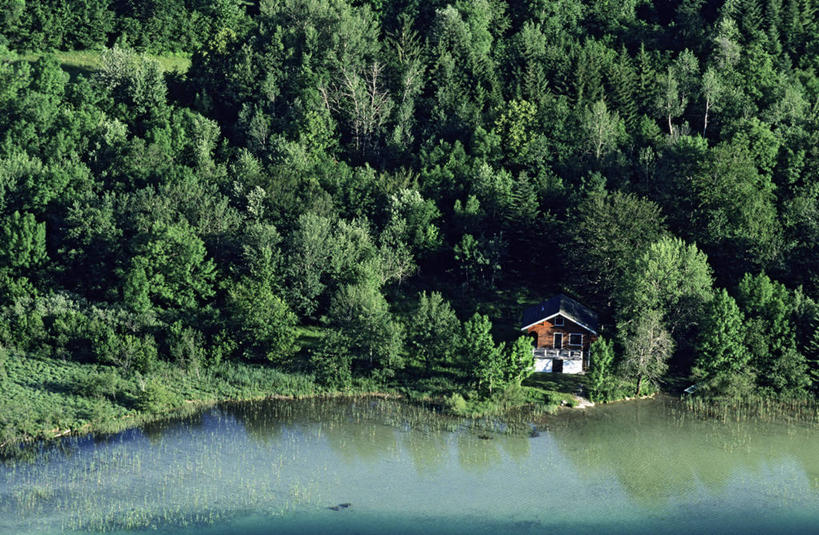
(562, 330)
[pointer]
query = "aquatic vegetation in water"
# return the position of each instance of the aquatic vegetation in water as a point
(375, 464)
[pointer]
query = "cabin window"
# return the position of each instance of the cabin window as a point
(575, 339)
(559, 321)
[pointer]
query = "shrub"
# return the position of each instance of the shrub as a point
(456, 403)
(98, 384)
(155, 398)
(186, 346)
(332, 362)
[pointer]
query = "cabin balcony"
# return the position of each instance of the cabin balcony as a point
(564, 354)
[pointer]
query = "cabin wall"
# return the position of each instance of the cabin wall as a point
(543, 365)
(545, 331)
(572, 366)
(546, 365)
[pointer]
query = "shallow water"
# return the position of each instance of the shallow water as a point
(279, 467)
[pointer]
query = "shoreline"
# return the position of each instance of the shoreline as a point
(189, 406)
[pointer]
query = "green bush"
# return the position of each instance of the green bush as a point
(98, 384)
(332, 368)
(332, 362)
(155, 398)
(457, 404)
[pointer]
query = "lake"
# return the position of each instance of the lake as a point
(380, 466)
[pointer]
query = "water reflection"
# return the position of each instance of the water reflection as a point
(429, 452)
(285, 463)
(656, 450)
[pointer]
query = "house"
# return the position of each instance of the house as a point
(562, 330)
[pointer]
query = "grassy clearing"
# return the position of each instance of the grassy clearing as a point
(309, 337)
(87, 61)
(47, 398)
(560, 389)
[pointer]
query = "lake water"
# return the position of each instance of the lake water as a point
(285, 467)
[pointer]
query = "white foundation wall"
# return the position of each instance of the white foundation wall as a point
(572, 366)
(543, 365)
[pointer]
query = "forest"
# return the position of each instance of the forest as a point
(365, 194)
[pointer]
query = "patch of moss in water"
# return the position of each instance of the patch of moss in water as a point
(643, 467)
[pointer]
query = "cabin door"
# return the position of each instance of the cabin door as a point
(558, 341)
(557, 366)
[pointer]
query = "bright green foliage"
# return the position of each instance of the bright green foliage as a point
(125, 351)
(670, 102)
(517, 127)
(479, 259)
(647, 346)
(433, 332)
(494, 367)
(170, 269)
(712, 93)
(721, 342)
(332, 361)
(770, 335)
(480, 354)
(763, 298)
(463, 68)
(137, 81)
(307, 264)
(412, 222)
(320, 161)
(325, 255)
(735, 212)
(155, 397)
(672, 278)
(520, 361)
(263, 323)
(22, 242)
(375, 339)
(601, 369)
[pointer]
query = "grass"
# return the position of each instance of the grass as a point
(87, 61)
(559, 388)
(309, 337)
(46, 398)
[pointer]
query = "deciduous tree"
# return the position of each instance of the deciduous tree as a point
(647, 346)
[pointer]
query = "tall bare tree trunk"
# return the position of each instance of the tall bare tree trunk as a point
(705, 120)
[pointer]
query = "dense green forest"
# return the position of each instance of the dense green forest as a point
(369, 192)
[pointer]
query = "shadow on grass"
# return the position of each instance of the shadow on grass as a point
(558, 382)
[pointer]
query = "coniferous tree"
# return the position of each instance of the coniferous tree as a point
(721, 342)
(601, 369)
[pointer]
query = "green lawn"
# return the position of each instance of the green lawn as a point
(557, 381)
(560, 388)
(87, 61)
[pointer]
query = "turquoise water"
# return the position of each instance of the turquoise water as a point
(285, 467)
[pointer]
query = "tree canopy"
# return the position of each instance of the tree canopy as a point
(375, 173)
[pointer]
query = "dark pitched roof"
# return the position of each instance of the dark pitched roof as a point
(563, 305)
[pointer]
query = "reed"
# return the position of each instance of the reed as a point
(804, 411)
